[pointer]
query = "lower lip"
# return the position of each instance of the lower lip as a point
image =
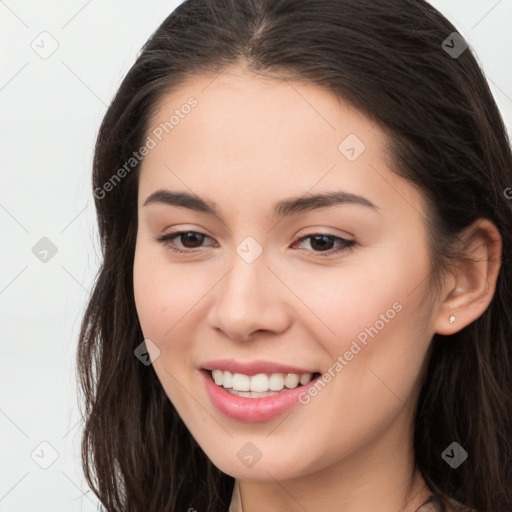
(252, 409)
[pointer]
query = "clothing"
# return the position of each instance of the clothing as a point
(431, 505)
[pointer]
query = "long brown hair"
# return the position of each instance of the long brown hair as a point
(386, 58)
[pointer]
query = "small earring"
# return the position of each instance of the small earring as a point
(452, 319)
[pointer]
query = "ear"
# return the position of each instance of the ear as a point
(470, 285)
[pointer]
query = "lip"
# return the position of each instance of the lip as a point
(253, 409)
(253, 367)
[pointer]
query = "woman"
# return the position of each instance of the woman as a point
(304, 299)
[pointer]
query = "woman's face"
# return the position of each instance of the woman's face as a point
(273, 282)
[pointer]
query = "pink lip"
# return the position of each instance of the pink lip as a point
(253, 367)
(253, 409)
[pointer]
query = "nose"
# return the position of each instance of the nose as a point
(248, 299)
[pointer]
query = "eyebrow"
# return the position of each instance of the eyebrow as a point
(284, 208)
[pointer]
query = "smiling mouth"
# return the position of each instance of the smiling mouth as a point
(260, 385)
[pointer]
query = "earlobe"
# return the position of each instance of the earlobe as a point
(472, 279)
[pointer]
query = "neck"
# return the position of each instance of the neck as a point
(381, 476)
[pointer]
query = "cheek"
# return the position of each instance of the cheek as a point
(349, 301)
(168, 297)
(376, 315)
(381, 331)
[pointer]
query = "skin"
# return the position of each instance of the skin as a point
(250, 142)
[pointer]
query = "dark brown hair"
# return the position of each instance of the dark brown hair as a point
(386, 58)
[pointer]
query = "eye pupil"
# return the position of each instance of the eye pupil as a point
(322, 246)
(191, 235)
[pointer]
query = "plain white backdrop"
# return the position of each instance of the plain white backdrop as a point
(62, 61)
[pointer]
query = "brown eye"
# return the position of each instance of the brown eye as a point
(190, 240)
(322, 243)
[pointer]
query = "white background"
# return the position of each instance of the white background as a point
(51, 110)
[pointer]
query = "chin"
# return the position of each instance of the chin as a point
(272, 467)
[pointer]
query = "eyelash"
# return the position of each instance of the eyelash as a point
(347, 245)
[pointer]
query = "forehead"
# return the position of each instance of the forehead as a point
(262, 137)
(252, 107)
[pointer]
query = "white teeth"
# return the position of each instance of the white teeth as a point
(227, 380)
(260, 383)
(304, 379)
(251, 394)
(241, 382)
(291, 381)
(217, 377)
(276, 382)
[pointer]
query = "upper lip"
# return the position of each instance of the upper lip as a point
(253, 367)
